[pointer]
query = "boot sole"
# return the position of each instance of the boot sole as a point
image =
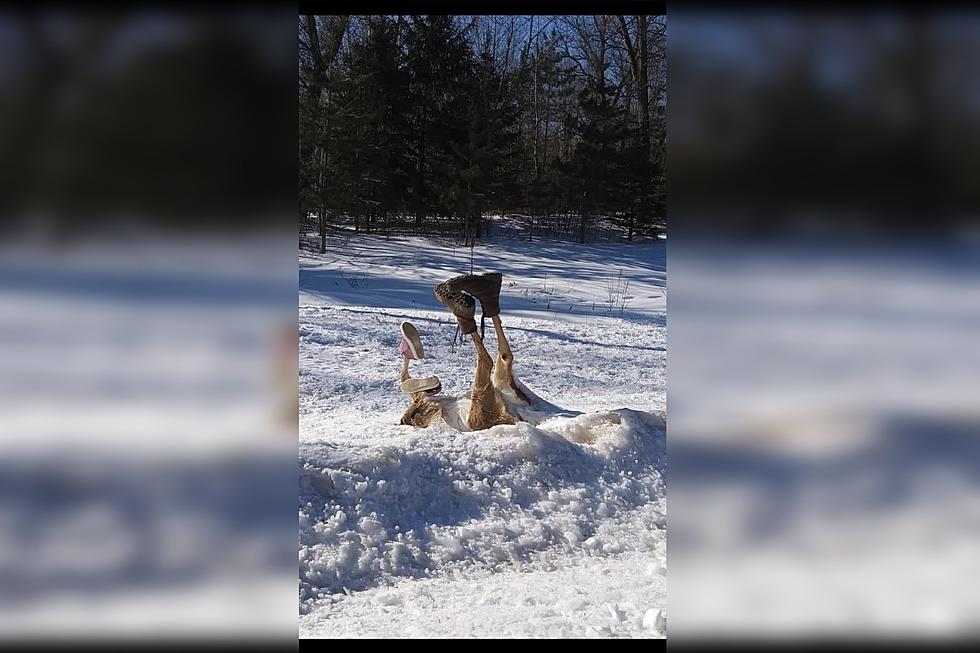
(485, 287)
(456, 301)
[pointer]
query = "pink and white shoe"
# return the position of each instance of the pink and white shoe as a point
(411, 344)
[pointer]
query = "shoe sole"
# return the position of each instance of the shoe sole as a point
(430, 386)
(411, 335)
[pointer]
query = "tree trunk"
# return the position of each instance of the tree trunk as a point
(420, 176)
(537, 119)
(643, 84)
(638, 51)
(323, 232)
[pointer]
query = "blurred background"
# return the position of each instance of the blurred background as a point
(824, 265)
(148, 324)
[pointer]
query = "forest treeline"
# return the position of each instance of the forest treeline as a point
(426, 124)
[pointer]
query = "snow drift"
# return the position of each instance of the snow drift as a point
(437, 499)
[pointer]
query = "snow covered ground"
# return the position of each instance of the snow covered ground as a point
(824, 450)
(550, 529)
(147, 469)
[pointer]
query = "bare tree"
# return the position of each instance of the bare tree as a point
(316, 58)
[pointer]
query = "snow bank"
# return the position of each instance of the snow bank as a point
(436, 499)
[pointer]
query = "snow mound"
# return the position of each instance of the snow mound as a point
(430, 502)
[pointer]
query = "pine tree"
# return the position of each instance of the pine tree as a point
(380, 121)
(491, 151)
(598, 162)
(439, 68)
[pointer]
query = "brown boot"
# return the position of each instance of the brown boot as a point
(462, 305)
(485, 287)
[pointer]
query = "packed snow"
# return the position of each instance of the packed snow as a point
(555, 527)
(825, 464)
(147, 454)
